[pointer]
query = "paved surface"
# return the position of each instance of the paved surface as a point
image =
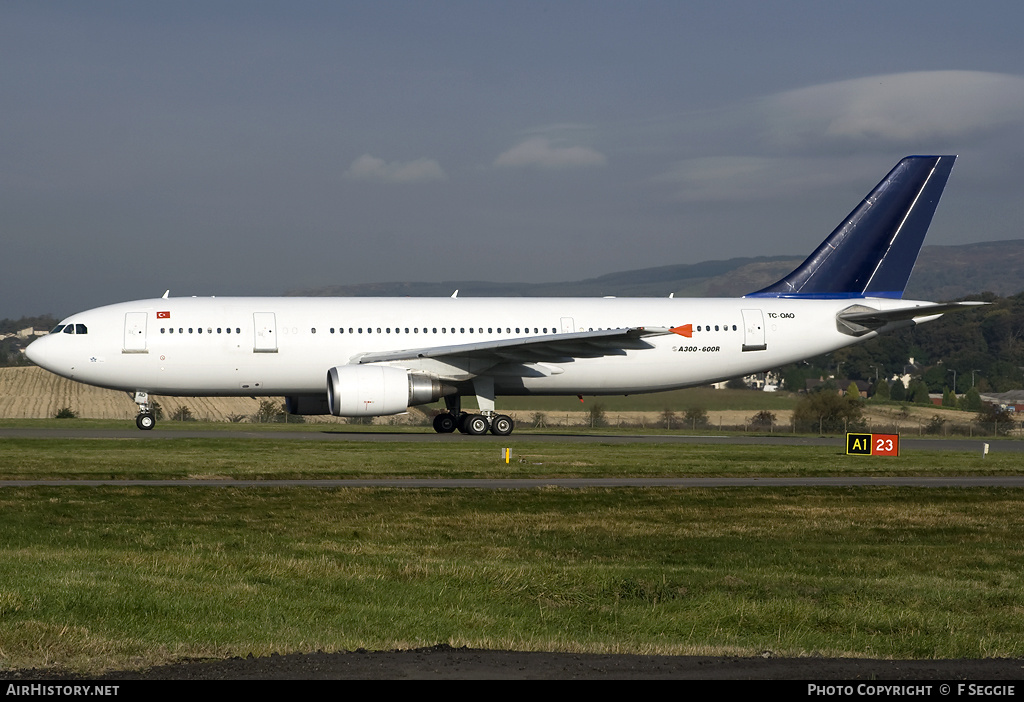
(445, 663)
(1011, 481)
(907, 443)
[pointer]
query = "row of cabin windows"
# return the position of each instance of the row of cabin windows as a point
(433, 330)
(199, 330)
(80, 329)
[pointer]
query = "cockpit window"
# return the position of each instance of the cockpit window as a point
(69, 329)
(80, 329)
(57, 329)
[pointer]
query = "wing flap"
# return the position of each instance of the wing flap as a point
(529, 349)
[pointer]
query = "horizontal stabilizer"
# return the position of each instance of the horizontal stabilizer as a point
(860, 319)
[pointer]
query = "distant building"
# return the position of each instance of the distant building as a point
(1012, 400)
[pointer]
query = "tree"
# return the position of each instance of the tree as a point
(828, 413)
(183, 414)
(918, 393)
(852, 391)
(696, 418)
(996, 419)
(971, 401)
(948, 398)
(669, 418)
(882, 391)
(898, 391)
(268, 411)
(763, 420)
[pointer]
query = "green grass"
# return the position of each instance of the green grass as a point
(115, 577)
(112, 577)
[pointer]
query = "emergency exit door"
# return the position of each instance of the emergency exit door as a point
(753, 330)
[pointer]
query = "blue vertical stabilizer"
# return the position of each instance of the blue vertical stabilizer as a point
(873, 252)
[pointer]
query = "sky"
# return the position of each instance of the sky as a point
(256, 148)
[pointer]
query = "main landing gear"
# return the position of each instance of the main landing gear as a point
(472, 424)
(146, 419)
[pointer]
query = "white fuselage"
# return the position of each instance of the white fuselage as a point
(285, 346)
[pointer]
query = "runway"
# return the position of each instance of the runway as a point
(334, 433)
(540, 483)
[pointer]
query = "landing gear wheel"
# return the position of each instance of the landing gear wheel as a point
(145, 421)
(502, 425)
(476, 425)
(444, 423)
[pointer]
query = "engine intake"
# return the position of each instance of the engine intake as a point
(370, 391)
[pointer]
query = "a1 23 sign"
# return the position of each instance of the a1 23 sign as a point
(873, 444)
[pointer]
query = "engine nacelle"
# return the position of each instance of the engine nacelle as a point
(371, 391)
(307, 404)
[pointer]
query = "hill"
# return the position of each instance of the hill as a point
(942, 273)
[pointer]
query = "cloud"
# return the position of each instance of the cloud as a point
(539, 152)
(816, 138)
(748, 178)
(371, 168)
(902, 109)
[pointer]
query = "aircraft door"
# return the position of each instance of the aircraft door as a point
(135, 332)
(265, 326)
(567, 325)
(753, 330)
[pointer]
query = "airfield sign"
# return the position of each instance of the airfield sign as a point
(873, 444)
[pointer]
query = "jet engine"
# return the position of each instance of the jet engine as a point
(370, 391)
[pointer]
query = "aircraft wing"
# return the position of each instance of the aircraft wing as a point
(532, 349)
(869, 318)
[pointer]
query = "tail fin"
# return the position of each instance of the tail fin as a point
(873, 252)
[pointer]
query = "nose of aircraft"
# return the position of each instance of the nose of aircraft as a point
(37, 353)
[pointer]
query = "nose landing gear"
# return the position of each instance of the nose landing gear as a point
(145, 420)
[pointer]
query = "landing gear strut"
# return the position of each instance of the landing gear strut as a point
(472, 424)
(146, 419)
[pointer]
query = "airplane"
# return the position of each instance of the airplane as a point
(359, 357)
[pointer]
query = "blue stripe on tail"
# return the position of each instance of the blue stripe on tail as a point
(873, 252)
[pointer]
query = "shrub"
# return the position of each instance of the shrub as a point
(696, 418)
(66, 413)
(825, 411)
(183, 414)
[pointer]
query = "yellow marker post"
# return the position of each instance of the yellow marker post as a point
(506, 453)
